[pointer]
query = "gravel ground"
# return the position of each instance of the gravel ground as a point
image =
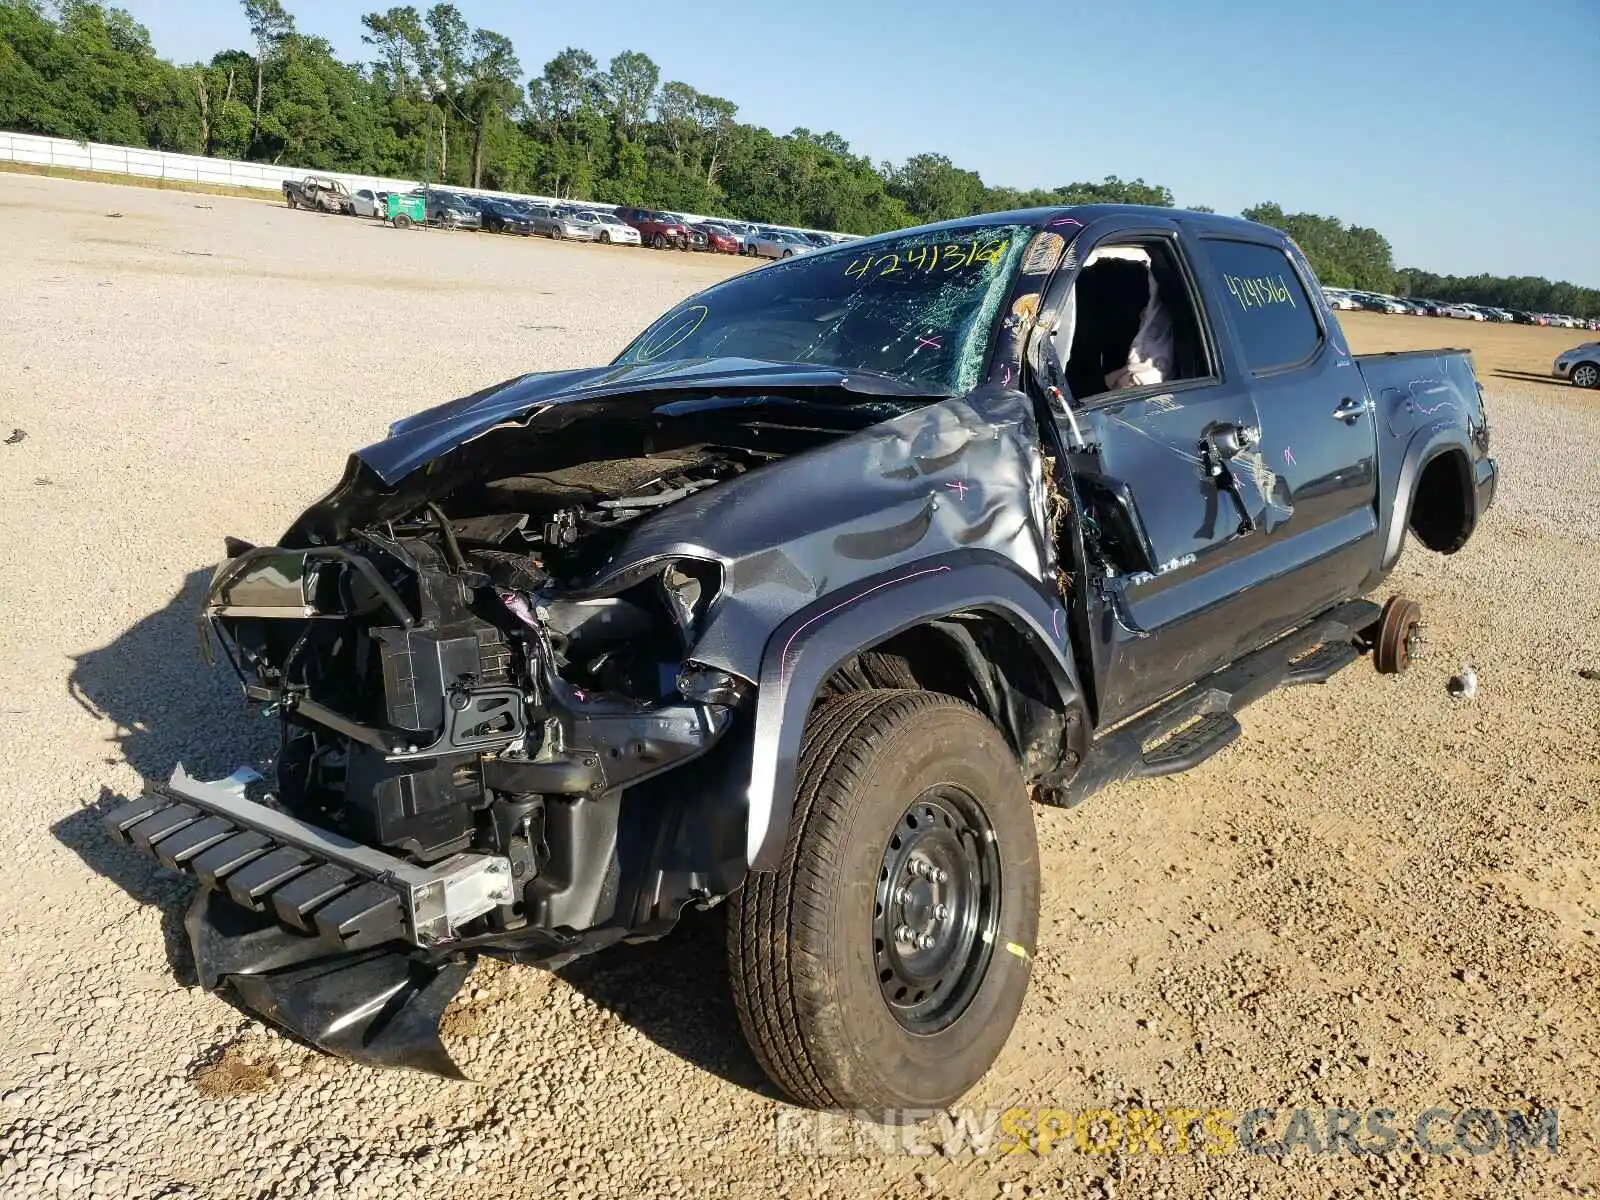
(1380, 897)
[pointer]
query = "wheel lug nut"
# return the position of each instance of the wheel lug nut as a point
(941, 912)
(902, 895)
(904, 934)
(940, 875)
(925, 942)
(918, 868)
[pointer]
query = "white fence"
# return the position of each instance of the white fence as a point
(196, 168)
(159, 164)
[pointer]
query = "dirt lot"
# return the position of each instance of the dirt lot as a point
(1379, 898)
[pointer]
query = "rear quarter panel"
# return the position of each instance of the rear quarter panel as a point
(1427, 403)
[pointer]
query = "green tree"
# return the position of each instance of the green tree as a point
(270, 25)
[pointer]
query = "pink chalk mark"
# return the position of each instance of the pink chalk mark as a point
(1006, 382)
(959, 487)
(1067, 221)
(783, 659)
(1288, 457)
(1055, 622)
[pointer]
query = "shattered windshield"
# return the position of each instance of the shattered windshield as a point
(918, 307)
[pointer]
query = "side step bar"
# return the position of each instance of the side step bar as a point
(312, 880)
(1188, 728)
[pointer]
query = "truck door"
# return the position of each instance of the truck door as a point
(1150, 454)
(1317, 459)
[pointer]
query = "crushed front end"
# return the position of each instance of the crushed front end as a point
(468, 759)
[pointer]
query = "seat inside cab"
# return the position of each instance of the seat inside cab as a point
(1131, 322)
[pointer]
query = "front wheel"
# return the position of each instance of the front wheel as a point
(883, 964)
(1586, 375)
(659, 242)
(788, 253)
(605, 238)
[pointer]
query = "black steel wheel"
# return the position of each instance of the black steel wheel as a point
(937, 909)
(882, 965)
(1398, 635)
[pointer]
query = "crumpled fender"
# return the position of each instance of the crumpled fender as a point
(812, 644)
(380, 1007)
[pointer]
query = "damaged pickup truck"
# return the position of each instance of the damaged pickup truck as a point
(800, 605)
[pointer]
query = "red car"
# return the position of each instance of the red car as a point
(720, 240)
(655, 228)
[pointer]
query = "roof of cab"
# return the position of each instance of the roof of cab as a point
(1088, 214)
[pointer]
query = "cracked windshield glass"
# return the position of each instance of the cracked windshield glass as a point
(919, 308)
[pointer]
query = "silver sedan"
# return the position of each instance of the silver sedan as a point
(558, 225)
(779, 244)
(606, 227)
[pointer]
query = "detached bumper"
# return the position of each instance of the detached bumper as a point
(316, 933)
(311, 881)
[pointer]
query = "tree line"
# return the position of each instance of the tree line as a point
(439, 100)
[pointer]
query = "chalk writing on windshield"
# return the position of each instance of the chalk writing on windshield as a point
(948, 256)
(672, 334)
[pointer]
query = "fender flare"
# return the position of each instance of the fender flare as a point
(808, 647)
(1424, 446)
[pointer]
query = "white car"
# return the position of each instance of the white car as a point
(607, 227)
(1580, 365)
(1340, 299)
(779, 244)
(369, 203)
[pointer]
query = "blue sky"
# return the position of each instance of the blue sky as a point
(1467, 131)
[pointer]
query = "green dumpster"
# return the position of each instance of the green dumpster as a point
(406, 210)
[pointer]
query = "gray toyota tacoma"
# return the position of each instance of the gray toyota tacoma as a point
(801, 605)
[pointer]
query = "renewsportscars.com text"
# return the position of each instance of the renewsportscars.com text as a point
(1452, 1131)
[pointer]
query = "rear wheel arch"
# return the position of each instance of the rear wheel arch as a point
(1442, 512)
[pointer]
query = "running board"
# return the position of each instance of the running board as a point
(1189, 727)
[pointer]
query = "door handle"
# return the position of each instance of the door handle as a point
(1229, 439)
(1349, 410)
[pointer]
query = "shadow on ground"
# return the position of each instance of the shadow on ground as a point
(1532, 377)
(676, 992)
(165, 706)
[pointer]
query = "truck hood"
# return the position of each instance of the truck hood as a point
(554, 399)
(428, 454)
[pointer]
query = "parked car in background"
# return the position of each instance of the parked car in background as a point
(558, 226)
(1580, 365)
(606, 227)
(743, 230)
(501, 216)
(1372, 302)
(1339, 299)
(719, 238)
(318, 192)
(449, 211)
(658, 229)
(368, 203)
(780, 243)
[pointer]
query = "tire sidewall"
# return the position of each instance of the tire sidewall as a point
(949, 746)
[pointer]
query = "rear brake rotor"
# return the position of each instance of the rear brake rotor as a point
(1398, 635)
